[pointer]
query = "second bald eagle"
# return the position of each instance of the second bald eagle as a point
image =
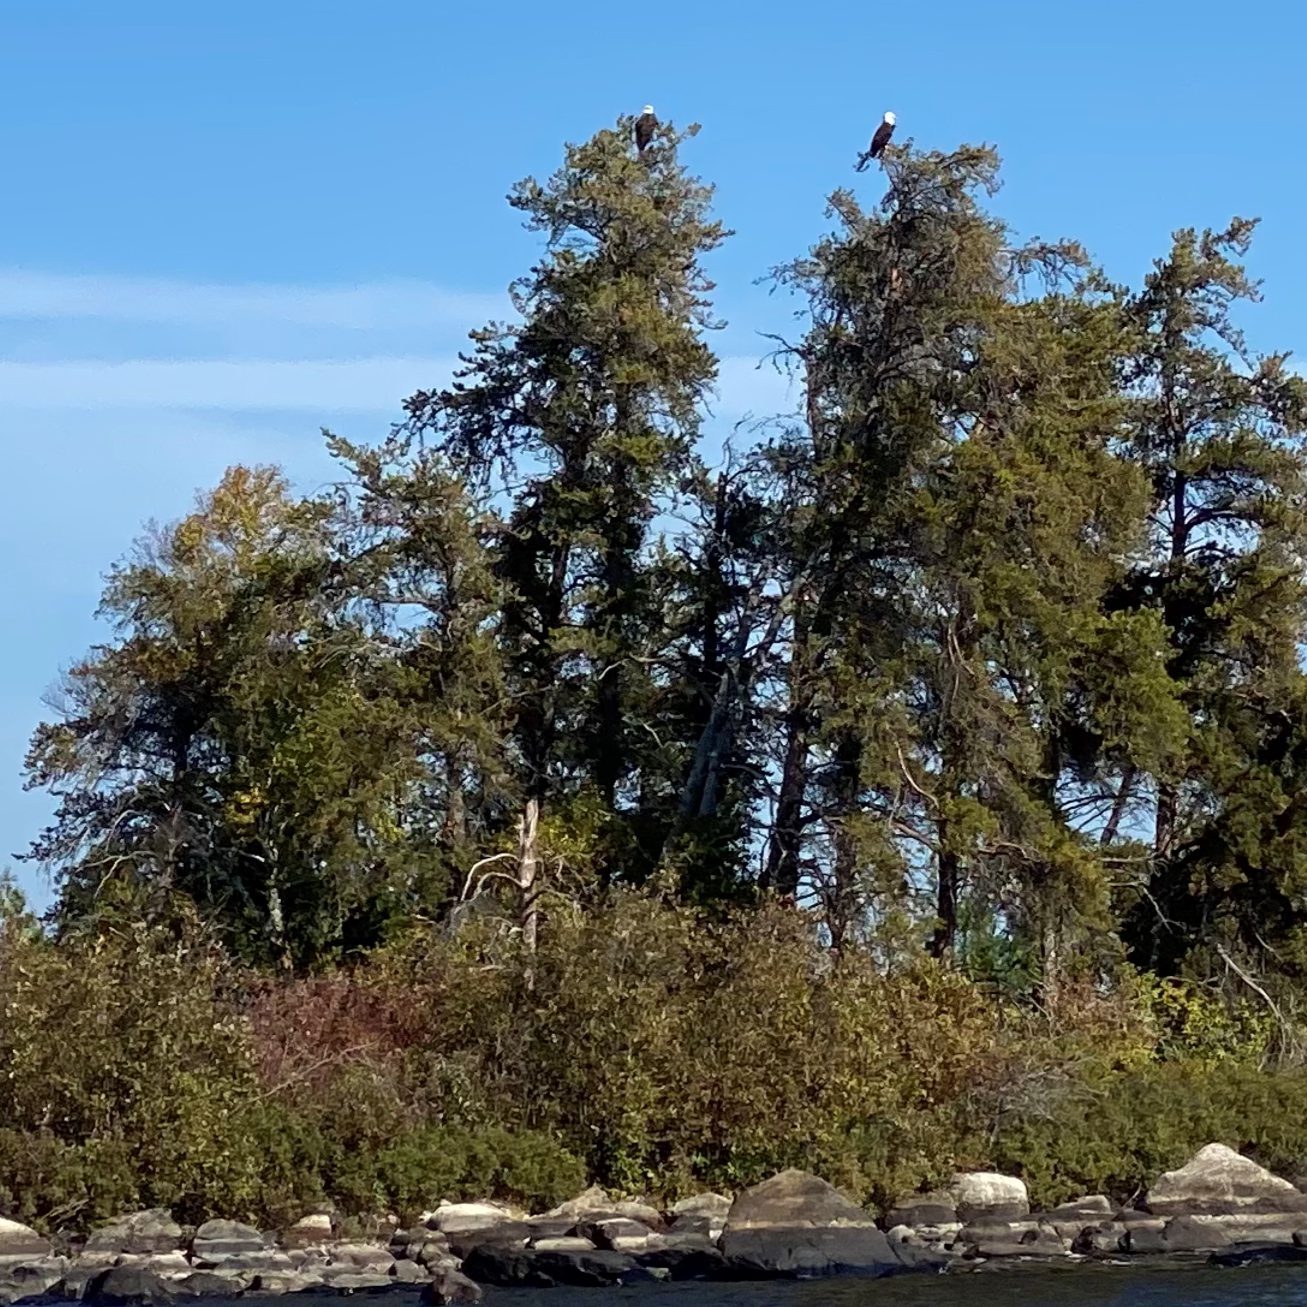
(878, 142)
(645, 126)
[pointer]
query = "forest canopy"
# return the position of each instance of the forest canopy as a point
(970, 688)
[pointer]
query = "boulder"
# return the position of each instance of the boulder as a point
(1193, 1234)
(685, 1258)
(596, 1204)
(936, 1210)
(986, 1195)
(153, 1231)
(21, 1281)
(514, 1234)
(309, 1231)
(207, 1284)
(596, 1270)
(21, 1242)
(450, 1286)
(275, 1283)
(405, 1272)
(710, 1208)
(1218, 1180)
(432, 1248)
(1070, 1219)
(460, 1218)
(796, 1224)
(1012, 1239)
(217, 1242)
(505, 1266)
(348, 1279)
(361, 1256)
(128, 1286)
(618, 1235)
(1102, 1240)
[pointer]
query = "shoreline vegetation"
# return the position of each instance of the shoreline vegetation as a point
(907, 788)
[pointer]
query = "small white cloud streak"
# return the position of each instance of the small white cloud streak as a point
(312, 385)
(301, 385)
(26, 296)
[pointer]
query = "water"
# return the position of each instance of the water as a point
(1033, 1286)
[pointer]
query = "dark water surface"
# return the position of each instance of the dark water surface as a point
(1036, 1286)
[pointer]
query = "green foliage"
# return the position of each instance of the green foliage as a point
(1116, 1136)
(923, 787)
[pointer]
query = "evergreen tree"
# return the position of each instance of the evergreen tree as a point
(578, 424)
(238, 743)
(1218, 433)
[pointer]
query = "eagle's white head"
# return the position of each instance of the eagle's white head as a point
(889, 118)
(648, 108)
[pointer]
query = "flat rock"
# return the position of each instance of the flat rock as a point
(997, 1240)
(216, 1242)
(712, 1209)
(567, 1243)
(796, 1224)
(276, 1283)
(1219, 1180)
(21, 1241)
(596, 1204)
(405, 1272)
(685, 1260)
(459, 1218)
(981, 1194)
(510, 1235)
(152, 1231)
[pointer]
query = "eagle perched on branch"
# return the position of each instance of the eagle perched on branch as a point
(878, 142)
(645, 126)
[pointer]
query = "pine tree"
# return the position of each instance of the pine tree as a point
(579, 425)
(1218, 433)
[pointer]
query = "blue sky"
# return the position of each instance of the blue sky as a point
(224, 226)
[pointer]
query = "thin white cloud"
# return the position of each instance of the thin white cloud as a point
(320, 386)
(312, 385)
(27, 295)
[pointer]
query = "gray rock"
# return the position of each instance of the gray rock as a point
(1190, 1234)
(509, 1235)
(936, 1210)
(616, 1235)
(128, 1286)
(208, 1284)
(216, 1242)
(309, 1231)
(362, 1256)
(21, 1281)
(153, 1231)
(597, 1270)
(685, 1258)
(462, 1218)
(597, 1204)
(999, 1241)
(450, 1286)
(432, 1248)
(796, 1224)
(713, 1209)
(505, 1266)
(986, 1194)
(21, 1242)
(349, 1279)
(405, 1272)
(276, 1283)
(1218, 1180)
(1104, 1239)
(568, 1243)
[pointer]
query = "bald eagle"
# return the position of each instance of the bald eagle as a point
(878, 142)
(645, 125)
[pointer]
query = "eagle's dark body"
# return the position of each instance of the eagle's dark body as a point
(878, 143)
(645, 126)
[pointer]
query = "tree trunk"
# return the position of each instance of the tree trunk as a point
(944, 940)
(782, 871)
(528, 870)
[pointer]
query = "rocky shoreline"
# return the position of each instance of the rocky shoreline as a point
(1220, 1205)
